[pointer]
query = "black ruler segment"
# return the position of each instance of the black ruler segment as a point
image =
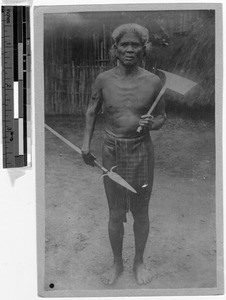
(19, 23)
(16, 137)
(15, 44)
(24, 37)
(15, 82)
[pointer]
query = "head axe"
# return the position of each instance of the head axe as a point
(173, 82)
(114, 176)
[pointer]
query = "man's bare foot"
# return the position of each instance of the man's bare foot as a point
(112, 274)
(143, 275)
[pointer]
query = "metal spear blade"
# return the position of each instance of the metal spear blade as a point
(114, 176)
(117, 178)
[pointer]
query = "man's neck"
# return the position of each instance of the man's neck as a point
(128, 71)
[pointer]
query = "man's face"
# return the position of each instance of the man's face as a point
(129, 50)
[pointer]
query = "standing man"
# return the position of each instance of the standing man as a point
(127, 92)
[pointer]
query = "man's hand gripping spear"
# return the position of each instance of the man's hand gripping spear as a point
(91, 160)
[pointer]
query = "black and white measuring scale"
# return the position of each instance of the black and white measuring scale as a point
(16, 74)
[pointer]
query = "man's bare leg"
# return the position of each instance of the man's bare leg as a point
(141, 231)
(116, 232)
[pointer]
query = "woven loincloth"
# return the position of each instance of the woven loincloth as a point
(134, 161)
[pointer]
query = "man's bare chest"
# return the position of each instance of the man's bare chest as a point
(132, 94)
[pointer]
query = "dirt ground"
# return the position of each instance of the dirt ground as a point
(181, 248)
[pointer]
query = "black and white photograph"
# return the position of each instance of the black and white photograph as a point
(131, 196)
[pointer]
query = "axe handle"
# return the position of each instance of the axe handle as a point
(154, 105)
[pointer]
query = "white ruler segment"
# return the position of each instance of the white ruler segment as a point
(16, 99)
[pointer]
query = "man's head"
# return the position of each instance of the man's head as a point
(140, 31)
(129, 43)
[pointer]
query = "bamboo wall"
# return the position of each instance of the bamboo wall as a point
(70, 68)
(69, 87)
(71, 62)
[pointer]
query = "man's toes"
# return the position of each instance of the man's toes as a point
(140, 280)
(107, 280)
(148, 280)
(104, 279)
(143, 276)
(145, 280)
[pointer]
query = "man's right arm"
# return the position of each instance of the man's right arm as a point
(91, 115)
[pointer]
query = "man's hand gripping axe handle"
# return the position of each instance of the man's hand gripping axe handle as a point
(172, 82)
(154, 105)
(114, 176)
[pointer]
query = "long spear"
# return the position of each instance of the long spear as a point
(114, 176)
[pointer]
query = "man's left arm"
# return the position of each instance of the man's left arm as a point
(159, 115)
(156, 120)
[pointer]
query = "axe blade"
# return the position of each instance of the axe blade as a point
(178, 83)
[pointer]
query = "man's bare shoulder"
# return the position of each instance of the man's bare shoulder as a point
(150, 77)
(153, 80)
(103, 76)
(108, 73)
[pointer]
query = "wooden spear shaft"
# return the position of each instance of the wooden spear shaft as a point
(73, 147)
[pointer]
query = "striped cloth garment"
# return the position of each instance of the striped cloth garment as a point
(134, 161)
